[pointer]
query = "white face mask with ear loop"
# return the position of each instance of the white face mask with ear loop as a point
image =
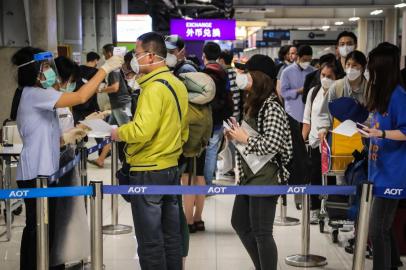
(135, 65)
(353, 73)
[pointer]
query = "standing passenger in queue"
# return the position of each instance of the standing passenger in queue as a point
(253, 216)
(386, 99)
(292, 82)
(155, 138)
(38, 126)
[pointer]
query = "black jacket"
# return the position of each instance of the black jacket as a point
(222, 104)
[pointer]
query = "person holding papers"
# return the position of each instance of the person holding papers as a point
(386, 99)
(35, 106)
(253, 216)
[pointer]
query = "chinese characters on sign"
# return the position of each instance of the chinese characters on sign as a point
(204, 29)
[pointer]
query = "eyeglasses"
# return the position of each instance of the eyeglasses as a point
(135, 54)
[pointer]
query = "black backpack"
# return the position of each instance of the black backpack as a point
(299, 166)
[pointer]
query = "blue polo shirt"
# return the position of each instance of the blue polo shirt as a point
(387, 158)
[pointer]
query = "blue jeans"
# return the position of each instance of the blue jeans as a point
(157, 222)
(211, 155)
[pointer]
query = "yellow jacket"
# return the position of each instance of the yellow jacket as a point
(156, 135)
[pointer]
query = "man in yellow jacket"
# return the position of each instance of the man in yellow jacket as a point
(155, 138)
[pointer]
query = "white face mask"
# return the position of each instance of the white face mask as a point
(242, 80)
(353, 73)
(304, 65)
(135, 65)
(345, 50)
(133, 84)
(326, 83)
(171, 60)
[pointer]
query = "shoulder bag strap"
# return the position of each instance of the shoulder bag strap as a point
(166, 83)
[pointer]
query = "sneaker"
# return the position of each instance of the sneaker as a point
(314, 217)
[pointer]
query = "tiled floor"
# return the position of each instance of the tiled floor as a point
(217, 248)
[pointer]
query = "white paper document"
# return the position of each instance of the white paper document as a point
(98, 126)
(347, 128)
(255, 162)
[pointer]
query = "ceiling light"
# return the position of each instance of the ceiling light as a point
(376, 12)
(325, 27)
(339, 23)
(354, 19)
(401, 5)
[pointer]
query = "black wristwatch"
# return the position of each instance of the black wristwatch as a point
(383, 134)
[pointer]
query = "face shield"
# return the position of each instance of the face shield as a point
(48, 73)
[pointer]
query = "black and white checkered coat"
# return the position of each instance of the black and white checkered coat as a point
(274, 137)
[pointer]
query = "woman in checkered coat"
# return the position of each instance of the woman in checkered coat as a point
(253, 216)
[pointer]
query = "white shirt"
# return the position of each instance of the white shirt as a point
(311, 115)
(38, 126)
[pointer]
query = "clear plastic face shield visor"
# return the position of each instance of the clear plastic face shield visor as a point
(48, 73)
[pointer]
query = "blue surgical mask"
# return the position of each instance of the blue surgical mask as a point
(70, 87)
(50, 78)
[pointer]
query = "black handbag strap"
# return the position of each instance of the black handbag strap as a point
(166, 83)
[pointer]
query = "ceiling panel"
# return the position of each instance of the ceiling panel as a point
(338, 3)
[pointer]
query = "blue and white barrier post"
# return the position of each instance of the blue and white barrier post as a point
(42, 228)
(115, 228)
(358, 262)
(96, 223)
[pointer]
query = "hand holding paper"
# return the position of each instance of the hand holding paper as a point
(98, 126)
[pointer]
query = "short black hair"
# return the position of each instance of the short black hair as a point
(212, 51)
(347, 34)
(26, 75)
(92, 56)
(154, 43)
(67, 68)
(304, 50)
(108, 48)
(358, 57)
(283, 51)
(327, 58)
(227, 56)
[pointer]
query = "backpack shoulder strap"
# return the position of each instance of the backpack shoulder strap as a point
(166, 83)
(340, 88)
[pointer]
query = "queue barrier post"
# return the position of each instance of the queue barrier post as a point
(358, 262)
(114, 228)
(42, 227)
(83, 166)
(283, 219)
(305, 259)
(96, 223)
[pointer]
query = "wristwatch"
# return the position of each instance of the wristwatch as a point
(383, 134)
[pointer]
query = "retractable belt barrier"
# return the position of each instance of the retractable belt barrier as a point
(96, 191)
(99, 146)
(229, 190)
(76, 191)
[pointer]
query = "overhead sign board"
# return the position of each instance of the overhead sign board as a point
(204, 29)
(130, 27)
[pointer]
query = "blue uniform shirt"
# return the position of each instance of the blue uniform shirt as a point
(387, 158)
(38, 126)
